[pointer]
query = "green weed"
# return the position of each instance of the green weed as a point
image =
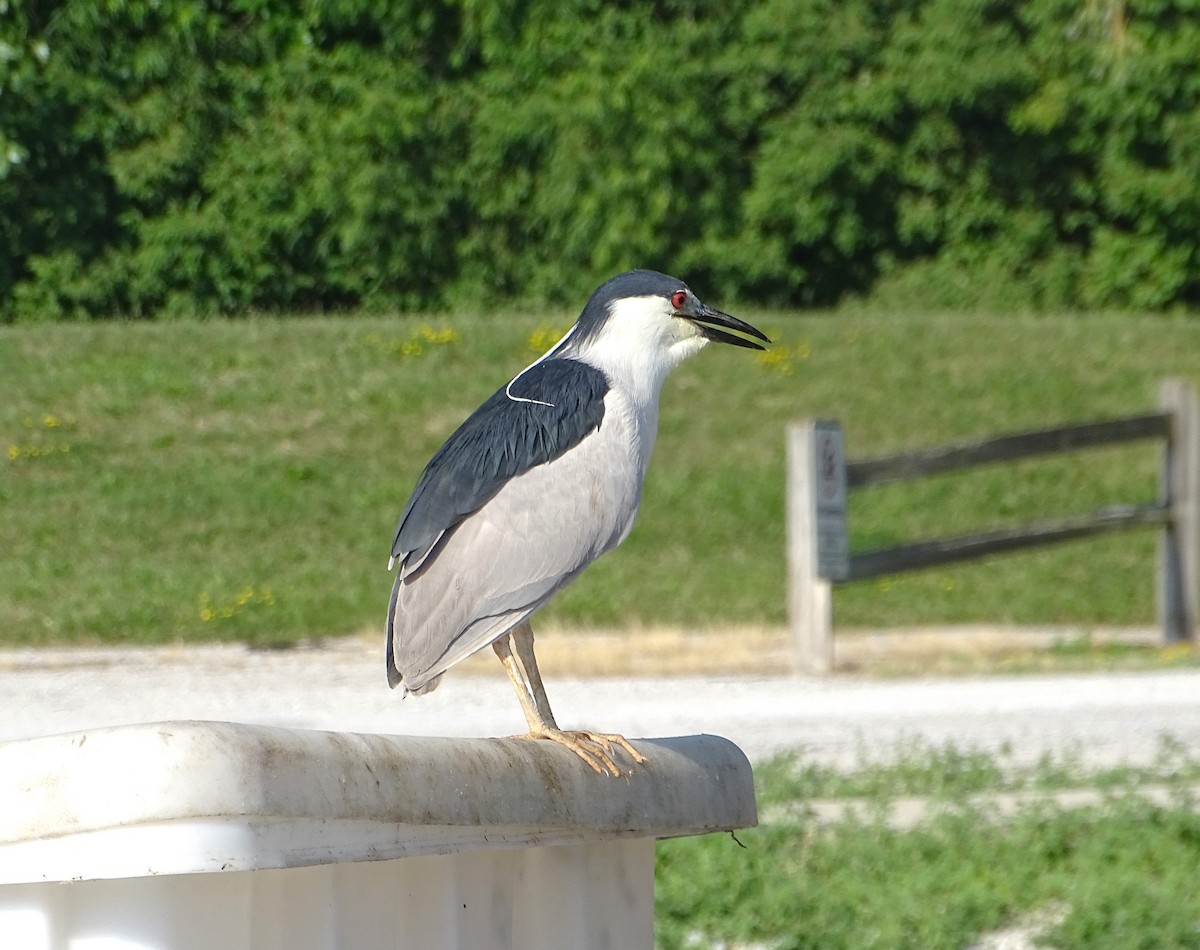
(1114, 875)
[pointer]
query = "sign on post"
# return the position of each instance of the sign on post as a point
(833, 540)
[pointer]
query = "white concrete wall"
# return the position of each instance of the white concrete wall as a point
(188, 835)
(594, 895)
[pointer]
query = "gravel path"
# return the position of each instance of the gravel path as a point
(1105, 718)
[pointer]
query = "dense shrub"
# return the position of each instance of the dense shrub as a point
(255, 154)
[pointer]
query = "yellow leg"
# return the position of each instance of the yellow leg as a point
(515, 650)
(503, 648)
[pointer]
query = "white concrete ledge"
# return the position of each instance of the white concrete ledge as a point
(186, 797)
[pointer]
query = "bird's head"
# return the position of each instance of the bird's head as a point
(644, 315)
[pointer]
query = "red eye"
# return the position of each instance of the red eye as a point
(679, 299)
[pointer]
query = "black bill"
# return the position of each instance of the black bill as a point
(710, 322)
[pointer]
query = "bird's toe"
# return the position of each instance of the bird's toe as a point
(594, 748)
(610, 739)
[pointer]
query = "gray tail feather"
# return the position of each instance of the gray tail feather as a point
(393, 674)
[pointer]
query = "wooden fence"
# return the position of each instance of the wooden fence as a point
(820, 480)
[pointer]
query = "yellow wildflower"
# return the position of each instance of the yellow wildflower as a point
(544, 337)
(438, 337)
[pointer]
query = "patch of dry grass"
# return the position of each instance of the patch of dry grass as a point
(766, 651)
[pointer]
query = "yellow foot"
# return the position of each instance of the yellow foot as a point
(595, 748)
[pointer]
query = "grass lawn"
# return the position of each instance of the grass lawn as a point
(1118, 874)
(242, 479)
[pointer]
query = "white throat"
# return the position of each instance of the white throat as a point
(638, 346)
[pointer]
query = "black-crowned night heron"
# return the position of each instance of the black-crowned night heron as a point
(536, 484)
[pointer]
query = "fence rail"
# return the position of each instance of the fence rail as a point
(1006, 448)
(923, 554)
(819, 480)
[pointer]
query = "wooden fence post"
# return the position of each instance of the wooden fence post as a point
(818, 547)
(1179, 544)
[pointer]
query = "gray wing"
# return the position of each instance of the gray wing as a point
(504, 561)
(540, 415)
(473, 540)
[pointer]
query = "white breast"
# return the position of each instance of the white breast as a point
(624, 445)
